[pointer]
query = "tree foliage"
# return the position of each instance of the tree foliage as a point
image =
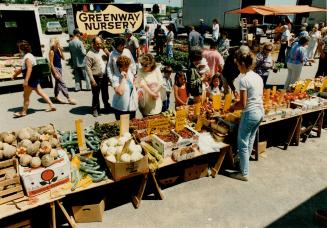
(155, 9)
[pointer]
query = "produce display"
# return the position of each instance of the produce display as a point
(121, 149)
(8, 65)
(68, 141)
(34, 147)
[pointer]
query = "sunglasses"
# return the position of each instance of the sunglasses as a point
(268, 49)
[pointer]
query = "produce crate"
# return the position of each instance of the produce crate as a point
(122, 170)
(11, 189)
(164, 147)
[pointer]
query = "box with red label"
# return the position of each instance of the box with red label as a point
(42, 179)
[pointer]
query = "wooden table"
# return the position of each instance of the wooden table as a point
(293, 125)
(225, 150)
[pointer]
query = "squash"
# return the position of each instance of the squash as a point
(24, 134)
(45, 147)
(54, 153)
(33, 149)
(1, 145)
(25, 160)
(9, 138)
(35, 162)
(34, 136)
(47, 160)
(9, 151)
(54, 142)
(25, 143)
(1, 154)
(48, 129)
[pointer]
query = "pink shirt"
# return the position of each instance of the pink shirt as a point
(214, 59)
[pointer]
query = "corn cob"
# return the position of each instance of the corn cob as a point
(149, 149)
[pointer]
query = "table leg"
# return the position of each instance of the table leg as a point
(53, 214)
(158, 191)
(293, 131)
(221, 156)
(70, 219)
(137, 199)
(309, 129)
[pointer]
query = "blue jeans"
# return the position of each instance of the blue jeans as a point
(247, 129)
(169, 51)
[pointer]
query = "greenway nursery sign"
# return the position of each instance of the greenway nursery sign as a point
(93, 18)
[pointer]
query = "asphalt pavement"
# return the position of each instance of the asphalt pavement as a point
(284, 190)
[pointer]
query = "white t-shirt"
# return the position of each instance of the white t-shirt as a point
(215, 31)
(170, 38)
(253, 84)
(30, 57)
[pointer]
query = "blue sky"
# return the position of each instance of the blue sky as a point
(167, 2)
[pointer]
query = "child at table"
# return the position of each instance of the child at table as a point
(214, 87)
(180, 91)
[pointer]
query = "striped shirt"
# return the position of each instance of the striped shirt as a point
(297, 54)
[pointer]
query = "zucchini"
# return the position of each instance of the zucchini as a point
(98, 178)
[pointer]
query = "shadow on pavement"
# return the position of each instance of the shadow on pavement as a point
(303, 215)
(81, 110)
(30, 110)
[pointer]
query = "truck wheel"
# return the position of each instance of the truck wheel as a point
(43, 18)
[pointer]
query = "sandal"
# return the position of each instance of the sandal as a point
(51, 109)
(58, 100)
(19, 114)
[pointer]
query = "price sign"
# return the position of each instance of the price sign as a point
(157, 125)
(180, 119)
(228, 102)
(273, 92)
(80, 135)
(324, 85)
(297, 88)
(124, 124)
(306, 85)
(197, 109)
(216, 102)
(199, 123)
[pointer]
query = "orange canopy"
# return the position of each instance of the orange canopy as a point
(276, 10)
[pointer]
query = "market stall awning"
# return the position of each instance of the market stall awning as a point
(276, 10)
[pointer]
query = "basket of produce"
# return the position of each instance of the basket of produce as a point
(124, 157)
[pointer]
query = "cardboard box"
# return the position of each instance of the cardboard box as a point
(164, 148)
(195, 172)
(89, 213)
(42, 179)
(121, 170)
(262, 147)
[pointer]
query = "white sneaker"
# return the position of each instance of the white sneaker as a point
(239, 176)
